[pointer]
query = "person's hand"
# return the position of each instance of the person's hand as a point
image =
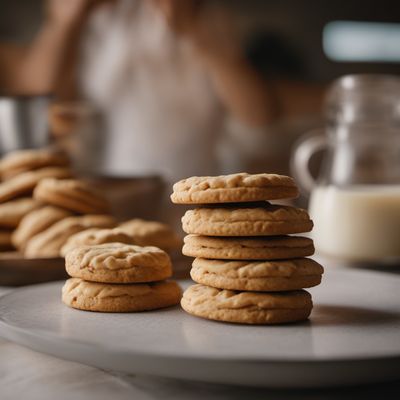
(209, 27)
(67, 12)
(181, 15)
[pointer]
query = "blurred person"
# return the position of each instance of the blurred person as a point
(169, 80)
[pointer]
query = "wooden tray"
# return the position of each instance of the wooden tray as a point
(15, 270)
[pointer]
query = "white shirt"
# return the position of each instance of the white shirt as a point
(160, 113)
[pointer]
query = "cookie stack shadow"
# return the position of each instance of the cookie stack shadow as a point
(249, 267)
(117, 277)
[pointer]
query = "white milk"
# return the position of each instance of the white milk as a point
(361, 223)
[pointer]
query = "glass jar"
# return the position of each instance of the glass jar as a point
(355, 201)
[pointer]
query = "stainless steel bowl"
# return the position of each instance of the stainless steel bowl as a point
(23, 122)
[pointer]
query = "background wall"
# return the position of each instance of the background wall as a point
(283, 37)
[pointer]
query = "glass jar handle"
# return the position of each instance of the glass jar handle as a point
(304, 149)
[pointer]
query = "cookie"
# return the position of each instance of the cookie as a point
(151, 233)
(118, 263)
(247, 248)
(71, 194)
(12, 212)
(247, 307)
(233, 188)
(263, 220)
(49, 242)
(35, 222)
(94, 236)
(24, 183)
(92, 296)
(5, 240)
(268, 276)
(20, 161)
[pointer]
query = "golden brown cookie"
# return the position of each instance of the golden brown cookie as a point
(247, 248)
(20, 161)
(35, 222)
(118, 263)
(12, 212)
(49, 242)
(93, 236)
(92, 296)
(233, 188)
(71, 194)
(247, 307)
(265, 276)
(151, 233)
(263, 220)
(5, 240)
(24, 183)
(11, 173)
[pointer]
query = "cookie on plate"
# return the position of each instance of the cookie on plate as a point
(247, 307)
(49, 242)
(17, 162)
(71, 194)
(247, 248)
(151, 233)
(257, 220)
(233, 188)
(12, 212)
(24, 183)
(268, 276)
(94, 236)
(35, 222)
(118, 263)
(93, 296)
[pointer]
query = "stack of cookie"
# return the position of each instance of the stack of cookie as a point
(248, 266)
(44, 213)
(117, 277)
(20, 172)
(68, 206)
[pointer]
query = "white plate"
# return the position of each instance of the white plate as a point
(353, 337)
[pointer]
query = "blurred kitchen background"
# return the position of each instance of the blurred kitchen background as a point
(130, 100)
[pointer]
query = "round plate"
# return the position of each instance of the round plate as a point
(352, 337)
